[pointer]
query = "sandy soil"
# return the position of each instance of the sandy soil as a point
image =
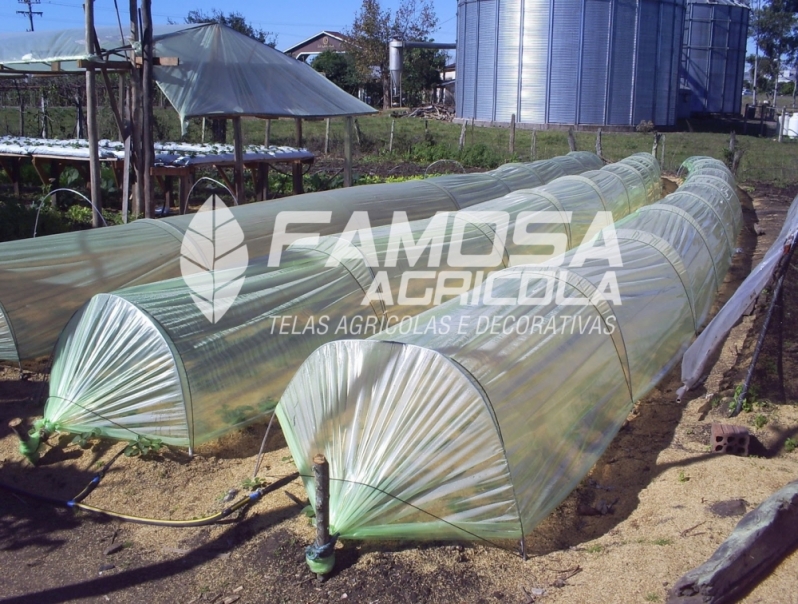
(656, 484)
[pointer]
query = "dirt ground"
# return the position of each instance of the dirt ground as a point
(642, 518)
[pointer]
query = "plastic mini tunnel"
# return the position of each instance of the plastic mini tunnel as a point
(479, 432)
(43, 281)
(146, 360)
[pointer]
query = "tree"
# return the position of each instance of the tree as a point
(773, 27)
(235, 21)
(367, 39)
(339, 68)
(238, 22)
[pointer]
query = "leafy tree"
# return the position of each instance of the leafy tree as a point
(235, 21)
(374, 27)
(339, 68)
(773, 27)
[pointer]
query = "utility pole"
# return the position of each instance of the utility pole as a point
(30, 12)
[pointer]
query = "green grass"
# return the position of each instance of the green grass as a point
(663, 542)
(652, 597)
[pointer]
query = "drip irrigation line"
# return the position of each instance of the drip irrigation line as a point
(777, 295)
(399, 499)
(242, 503)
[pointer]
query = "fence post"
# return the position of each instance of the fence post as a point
(512, 134)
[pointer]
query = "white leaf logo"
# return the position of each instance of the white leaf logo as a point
(213, 259)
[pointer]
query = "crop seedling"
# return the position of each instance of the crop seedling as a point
(760, 420)
(683, 477)
(82, 440)
(790, 445)
(143, 446)
(253, 484)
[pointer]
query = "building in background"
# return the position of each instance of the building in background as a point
(315, 45)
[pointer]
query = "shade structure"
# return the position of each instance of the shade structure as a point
(221, 72)
(146, 361)
(478, 431)
(43, 281)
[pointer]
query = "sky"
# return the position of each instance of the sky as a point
(292, 21)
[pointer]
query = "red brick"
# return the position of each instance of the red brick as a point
(727, 438)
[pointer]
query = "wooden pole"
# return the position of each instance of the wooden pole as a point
(571, 140)
(512, 134)
(662, 155)
(268, 134)
(147, 148)
(390, 140)
(348, 151)
(91, 120)
(655, 147)
(327, 135)
(781, 123)
(321, 474)
(534, 150)
(298, 126)
(598, 144)
(461, 143)
(357, 132)
(238, 144)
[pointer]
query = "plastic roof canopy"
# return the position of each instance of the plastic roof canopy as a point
(221, 72)
(479, 433)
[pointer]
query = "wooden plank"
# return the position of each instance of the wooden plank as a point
(224, 177)
(756, 545)
(160, 61)
(238, 173)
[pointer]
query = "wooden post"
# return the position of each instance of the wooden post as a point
(91, 120)
(781, 123)
(732, 141)
(357, 132)
(134, 114)
(598, 144)
(662, 155)
(298, 125)
(296, 173)
(512, 134)
(18, 427)
(461, 143)
(238, 144)
(655, 147)
(348, 151)
(321, 474)
(327, 135)
(268, 134)
(390, 140)
(534, 150)
(126, 180)
(571, 139)
(202, 139)
(745, 119)
(147, 149)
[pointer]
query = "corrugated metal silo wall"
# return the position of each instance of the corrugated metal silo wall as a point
(569, 61)
(713, 63)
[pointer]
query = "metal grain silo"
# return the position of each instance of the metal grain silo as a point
(713, 58)
(599, 62)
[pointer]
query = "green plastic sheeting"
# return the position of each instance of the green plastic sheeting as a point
(44, 281)
(480, 419)
(146, 360)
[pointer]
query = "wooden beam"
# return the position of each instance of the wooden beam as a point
(238, 149)
(757, 544)
(91, 121)
(109, 65)
(296, 172)
(160, 61)
(348, 151)
(147, 149)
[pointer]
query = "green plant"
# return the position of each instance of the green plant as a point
(683, 477)
(143, 446)
(663, 542)
(253, 484)
(790, 445)
(748, 402)
(760, 420)
(595, 549)
(715, 402)
(82, 440)
(652, 597)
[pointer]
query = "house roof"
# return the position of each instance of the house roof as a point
(332, 34)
